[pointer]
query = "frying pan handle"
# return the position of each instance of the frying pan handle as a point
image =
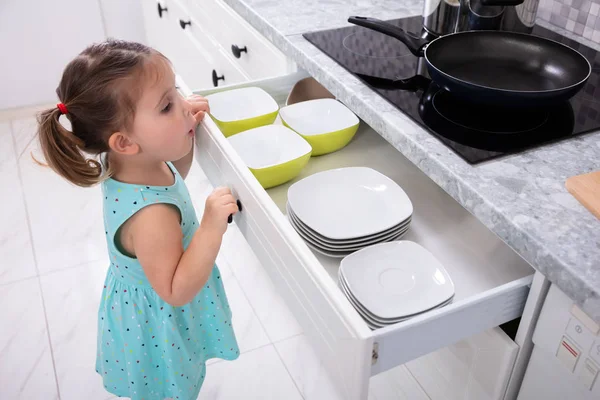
(412, 84)
(415, 44)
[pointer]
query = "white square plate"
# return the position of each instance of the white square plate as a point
(349, 203)
(373, 319)
(396, 279)
(345, 245)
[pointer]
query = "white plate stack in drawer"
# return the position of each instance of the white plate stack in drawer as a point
(391, 282)
(340, 211)
(491, 281)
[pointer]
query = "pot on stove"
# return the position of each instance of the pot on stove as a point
(441, 17)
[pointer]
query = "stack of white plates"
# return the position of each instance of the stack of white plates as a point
(340, 211)
(392, 282)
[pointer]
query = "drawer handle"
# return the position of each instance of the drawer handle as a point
(230, 218)
(216, 78)
(183, 23)
(161, 10)
(237, 52)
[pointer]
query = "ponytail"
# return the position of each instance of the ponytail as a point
(100, 88)
(63, 151)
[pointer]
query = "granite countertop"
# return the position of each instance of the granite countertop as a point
(521, 198)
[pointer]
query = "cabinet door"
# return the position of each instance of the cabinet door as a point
(160, 27)
(175, 33)
(38, 38)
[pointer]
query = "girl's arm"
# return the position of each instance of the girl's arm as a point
(199, 107)
(157, 241)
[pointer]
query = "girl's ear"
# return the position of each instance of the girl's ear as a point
(121, 143)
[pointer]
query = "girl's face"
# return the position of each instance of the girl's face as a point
(163, 126)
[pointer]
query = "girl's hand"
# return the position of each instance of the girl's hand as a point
(219, 205)
(199, 106)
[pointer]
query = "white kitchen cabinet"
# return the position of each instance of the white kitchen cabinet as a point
(172, 31)
(565, 362)
(38, 39)
(249, 49)
(197, 36)
(492, 282)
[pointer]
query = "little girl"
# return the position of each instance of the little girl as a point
(163, 311)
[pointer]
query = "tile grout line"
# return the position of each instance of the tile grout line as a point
(35, 262)
(272, 343)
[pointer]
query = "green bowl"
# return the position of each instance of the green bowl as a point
(230, 128)
(274, 154)
(279, 174)
(326, 124)
(329, 142)
(238, 110)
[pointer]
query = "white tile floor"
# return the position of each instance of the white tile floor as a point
(52, 265)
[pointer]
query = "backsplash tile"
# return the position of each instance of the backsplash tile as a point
(581, 17)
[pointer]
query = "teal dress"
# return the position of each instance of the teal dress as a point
(148, 349)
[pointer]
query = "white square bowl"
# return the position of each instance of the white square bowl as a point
(238, 110)
(326, 124)
(274, 153)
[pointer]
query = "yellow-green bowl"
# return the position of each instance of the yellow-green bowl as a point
(279, 174)
(326, 124)
(274, 154)
(238, 110)
(230, 128)
(328, 142)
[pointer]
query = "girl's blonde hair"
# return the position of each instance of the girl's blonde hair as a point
(100, 89)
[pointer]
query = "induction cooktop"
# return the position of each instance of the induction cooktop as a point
(474, 131)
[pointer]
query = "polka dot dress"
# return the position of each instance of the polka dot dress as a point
(148, 349)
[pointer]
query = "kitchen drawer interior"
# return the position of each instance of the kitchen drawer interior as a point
(476, 258)
(491, 280)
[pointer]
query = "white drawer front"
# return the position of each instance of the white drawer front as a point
(260, 60)
(334, 328)
(194, 60)
(491, 281)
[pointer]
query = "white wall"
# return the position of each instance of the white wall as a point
(123, 20)
(39, 37)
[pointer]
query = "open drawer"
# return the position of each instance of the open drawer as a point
(492, 282)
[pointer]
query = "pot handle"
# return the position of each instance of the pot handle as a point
(415, 44)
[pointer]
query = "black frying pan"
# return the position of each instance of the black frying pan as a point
(496, 67)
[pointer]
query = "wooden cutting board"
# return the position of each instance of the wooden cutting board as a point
(586, 189)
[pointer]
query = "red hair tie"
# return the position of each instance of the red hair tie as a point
(62, 108)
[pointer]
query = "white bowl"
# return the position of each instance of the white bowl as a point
(349, 203)
(274, 153)
(318, 117)
(326, 123)
(396, 279)
(238, 110)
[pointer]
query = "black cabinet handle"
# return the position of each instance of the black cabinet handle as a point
(237, 52)
(161, 10)
(230, 218)
(216, 78)
(183, 23)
